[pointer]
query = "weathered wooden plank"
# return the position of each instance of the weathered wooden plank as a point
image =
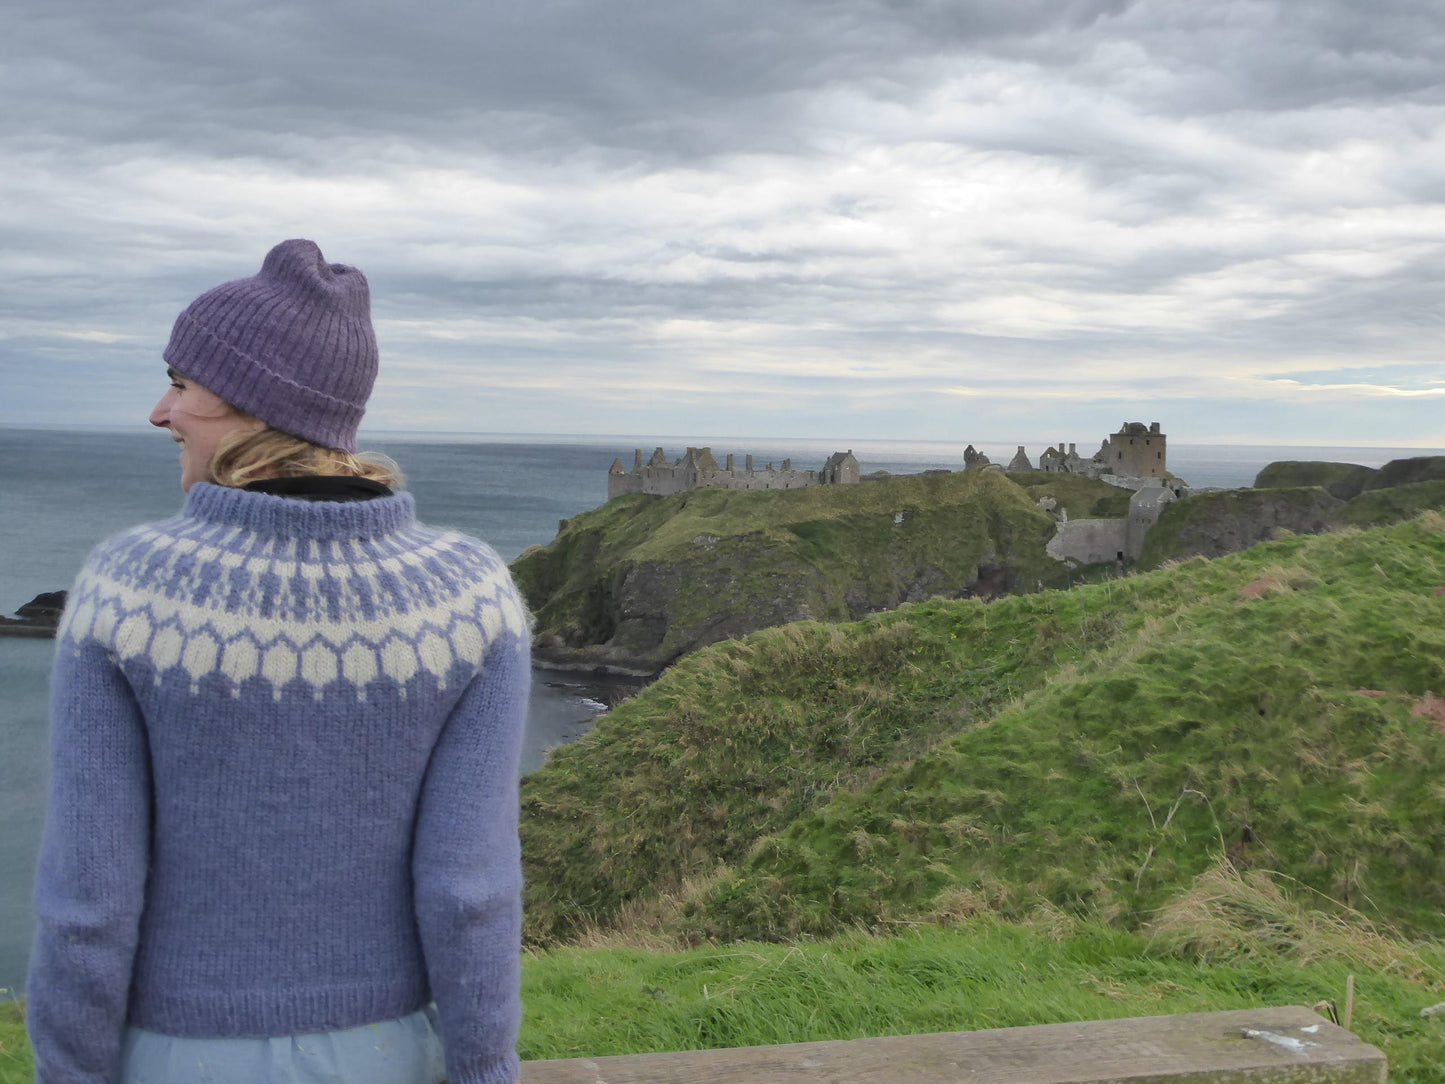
(1290, 1045)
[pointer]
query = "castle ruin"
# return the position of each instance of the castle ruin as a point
(1132, 458)
(698, 469)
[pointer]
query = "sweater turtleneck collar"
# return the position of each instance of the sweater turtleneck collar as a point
(318, 519)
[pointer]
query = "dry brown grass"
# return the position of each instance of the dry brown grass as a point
(1227, 915)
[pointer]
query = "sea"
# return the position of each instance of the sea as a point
(62, 491)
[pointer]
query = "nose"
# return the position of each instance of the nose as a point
(161, 412)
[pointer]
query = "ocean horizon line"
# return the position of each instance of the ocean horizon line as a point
(681, 441)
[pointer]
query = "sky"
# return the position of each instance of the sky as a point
(853, 219)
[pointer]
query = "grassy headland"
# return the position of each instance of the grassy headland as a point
(1091, 750)
(1349, 480)
(642, 580)
(1300, 497)
(1340, 480)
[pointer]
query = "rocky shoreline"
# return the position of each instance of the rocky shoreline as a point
(37, 619)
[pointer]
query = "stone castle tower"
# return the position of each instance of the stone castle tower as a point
(1135, 451)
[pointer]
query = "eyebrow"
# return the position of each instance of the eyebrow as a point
(172, 373)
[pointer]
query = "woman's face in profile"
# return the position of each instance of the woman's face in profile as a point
(198, 419)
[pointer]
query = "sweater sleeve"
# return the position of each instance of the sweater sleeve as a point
(90, 880)
(467, 872)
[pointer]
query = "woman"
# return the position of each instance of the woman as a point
(285, 729)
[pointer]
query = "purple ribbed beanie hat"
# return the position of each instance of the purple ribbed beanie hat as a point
(292, 345)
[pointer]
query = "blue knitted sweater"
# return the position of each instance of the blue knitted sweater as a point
(283, 791)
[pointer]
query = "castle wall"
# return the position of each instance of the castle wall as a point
(1094, 541)
(1129, 481)
(1145, 508)
(698, 469)
(1090, 541)
(757, 479)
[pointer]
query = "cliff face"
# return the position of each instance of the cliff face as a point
(636, 583)
(1301, 497)
(1342, 480)
(1212, 524)
(1348, 480)
(1400, 472)
(1393, 504)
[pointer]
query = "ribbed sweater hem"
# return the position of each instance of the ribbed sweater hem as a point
(259, 1014)
(504, 1070)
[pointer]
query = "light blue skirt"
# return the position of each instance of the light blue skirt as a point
(407, 1050)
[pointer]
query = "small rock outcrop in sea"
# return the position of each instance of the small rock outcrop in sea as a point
(38, 617)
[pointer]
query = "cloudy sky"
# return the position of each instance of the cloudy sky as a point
(945, 219)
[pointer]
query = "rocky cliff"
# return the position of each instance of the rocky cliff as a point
(1211, 524)
(1300, 497)
(1342, 480)
(634, 584)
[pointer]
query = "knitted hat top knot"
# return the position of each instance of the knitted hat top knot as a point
(292, 345)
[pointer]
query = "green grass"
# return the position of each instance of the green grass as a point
(1082, 497)
(975, 975)
(16, 1064)
(1092, 749)
(1228, 943)
(1210, 786)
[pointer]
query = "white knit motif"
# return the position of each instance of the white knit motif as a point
(219, 606)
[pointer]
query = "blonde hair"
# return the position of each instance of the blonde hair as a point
(269, 453)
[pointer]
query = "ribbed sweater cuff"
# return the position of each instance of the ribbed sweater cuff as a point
(503, 1070)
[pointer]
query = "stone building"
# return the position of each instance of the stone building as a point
(1119, 539)
(1135, 452)
(841, 469)
(1070, 462)
(1132, 457)
(698, 469)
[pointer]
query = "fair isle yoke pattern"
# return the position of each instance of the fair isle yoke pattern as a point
(218, 590)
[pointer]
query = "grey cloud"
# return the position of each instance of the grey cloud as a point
(670, 79)
(781, 178)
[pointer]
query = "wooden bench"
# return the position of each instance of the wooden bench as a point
(1261, 1046)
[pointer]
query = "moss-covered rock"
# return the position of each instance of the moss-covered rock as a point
(1213, 523)
(1342, 480)
(1302, 497)
(1400, 472)
(1380, 506)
